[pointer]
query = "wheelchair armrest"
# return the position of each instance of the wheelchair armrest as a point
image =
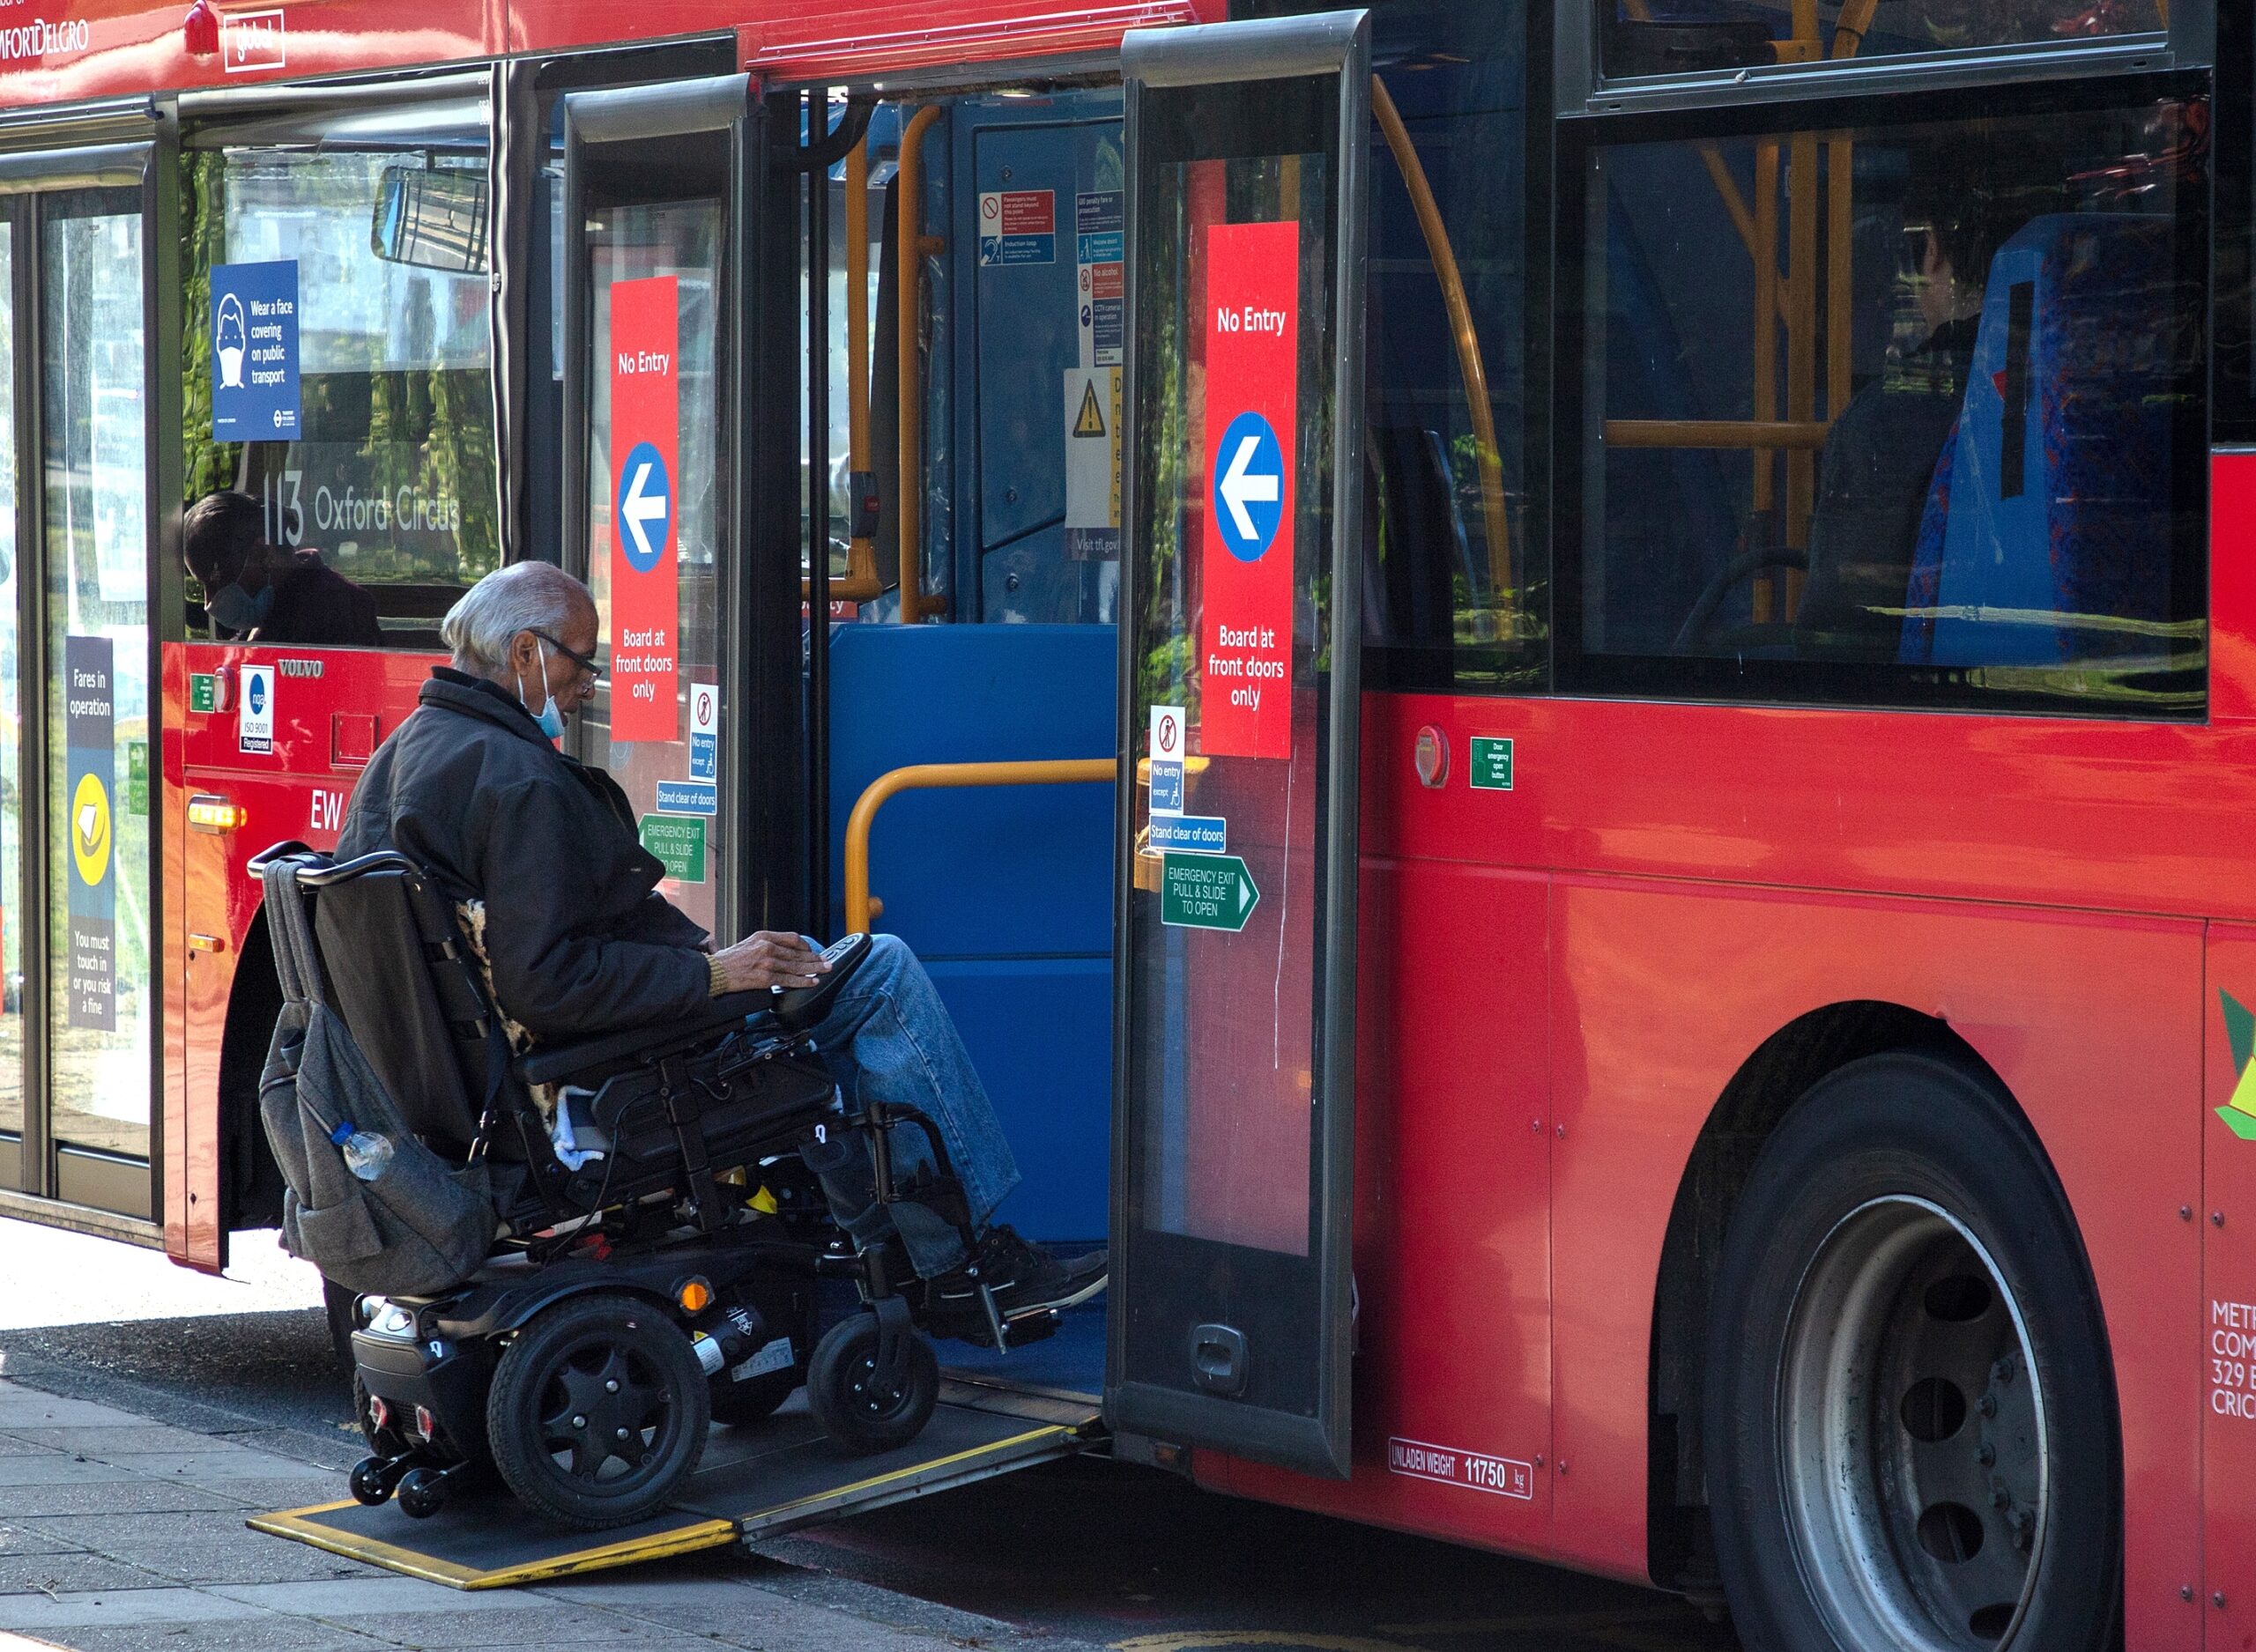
(562, 1062)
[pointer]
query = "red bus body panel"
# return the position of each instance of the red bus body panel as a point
(1712, 874)
(297, 790)
(106, 48)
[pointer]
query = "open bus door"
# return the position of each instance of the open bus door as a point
(1232, 1323)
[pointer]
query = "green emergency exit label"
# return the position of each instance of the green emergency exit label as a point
(203, 690)
(1207, 892)
(678, 842)
(136, 777)
(1492, 764)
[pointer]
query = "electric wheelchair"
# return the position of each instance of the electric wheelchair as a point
(659, 1252)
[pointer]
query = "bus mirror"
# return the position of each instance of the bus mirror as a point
(433, 218)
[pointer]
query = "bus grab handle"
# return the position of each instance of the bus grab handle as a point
(930, 776)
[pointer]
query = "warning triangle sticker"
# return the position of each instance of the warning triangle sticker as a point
(1090, 420)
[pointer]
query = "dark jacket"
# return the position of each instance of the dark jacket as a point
(472, 790)
(316, 606)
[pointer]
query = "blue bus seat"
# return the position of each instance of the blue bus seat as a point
(1005, 892)
(2050, 505)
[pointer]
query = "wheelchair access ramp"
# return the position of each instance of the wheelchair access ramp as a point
(753, 1482)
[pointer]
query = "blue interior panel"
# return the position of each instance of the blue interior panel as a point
(1005, 892)
(1022, 335)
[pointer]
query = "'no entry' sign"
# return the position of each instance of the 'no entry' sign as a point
(1245, 643)
(645, 450)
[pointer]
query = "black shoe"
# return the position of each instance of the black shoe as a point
(1025, 1279)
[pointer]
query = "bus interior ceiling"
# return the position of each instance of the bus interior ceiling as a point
(1005, 892)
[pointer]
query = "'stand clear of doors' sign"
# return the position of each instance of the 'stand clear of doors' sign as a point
(90, 756)
(255, 351)
(646, 482)
(1245, 643)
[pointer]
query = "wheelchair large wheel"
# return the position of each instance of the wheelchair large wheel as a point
(858, 1410)
(597, 1412)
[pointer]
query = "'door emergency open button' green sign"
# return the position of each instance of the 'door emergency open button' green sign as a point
(1207, 892)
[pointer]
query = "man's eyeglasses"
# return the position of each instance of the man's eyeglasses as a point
(589, 669)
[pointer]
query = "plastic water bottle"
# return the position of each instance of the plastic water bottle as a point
(366, 1155)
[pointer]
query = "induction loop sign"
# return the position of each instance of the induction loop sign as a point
(646, 485)
(1252, 391)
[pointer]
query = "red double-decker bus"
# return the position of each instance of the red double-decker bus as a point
(1662, 981)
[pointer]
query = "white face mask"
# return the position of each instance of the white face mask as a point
(550, 719)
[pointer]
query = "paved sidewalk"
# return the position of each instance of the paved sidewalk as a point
(119, 1533)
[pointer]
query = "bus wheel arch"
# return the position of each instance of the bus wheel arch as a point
(250, 1182)
(1817, 1049)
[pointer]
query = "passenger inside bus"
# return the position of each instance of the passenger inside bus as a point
(472, 789)
(257, 591)
(1880, 457)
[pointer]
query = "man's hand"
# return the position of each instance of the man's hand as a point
(769, 959)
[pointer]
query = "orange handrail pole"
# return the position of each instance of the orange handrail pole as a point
(860, 584)
(913, 244)
(1496, 523)
(939, 776)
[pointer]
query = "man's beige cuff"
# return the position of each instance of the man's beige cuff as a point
(715, 986)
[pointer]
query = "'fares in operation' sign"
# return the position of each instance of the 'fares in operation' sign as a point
(645, 432)
(1246, 566)
(255, 351)
(90, 754)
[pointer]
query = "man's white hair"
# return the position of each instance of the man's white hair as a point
(523, 596)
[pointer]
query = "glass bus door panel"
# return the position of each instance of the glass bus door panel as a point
(1234, 1086)
(93, 426)
(649, 285)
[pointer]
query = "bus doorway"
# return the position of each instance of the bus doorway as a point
(1168, 1062)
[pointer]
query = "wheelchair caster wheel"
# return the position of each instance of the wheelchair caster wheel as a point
(422, 1493)
(862, 1409)
(372, 1480)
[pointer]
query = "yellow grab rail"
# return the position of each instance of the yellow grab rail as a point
(1071, 771)
(861, 583)
(1496, 524)
(909, 432)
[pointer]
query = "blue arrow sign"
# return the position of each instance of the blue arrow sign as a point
(1249, 499)
(644, 506)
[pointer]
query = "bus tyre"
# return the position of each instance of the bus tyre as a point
(856, 1407)
(597, 1412)
(1911, 1426)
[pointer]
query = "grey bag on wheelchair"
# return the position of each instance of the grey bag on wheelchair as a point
(423, 1224)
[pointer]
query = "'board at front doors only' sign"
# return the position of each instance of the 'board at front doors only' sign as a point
(1245, 643)
(645, 441)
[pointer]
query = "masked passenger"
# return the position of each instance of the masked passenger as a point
(472, 788)
(257, 591)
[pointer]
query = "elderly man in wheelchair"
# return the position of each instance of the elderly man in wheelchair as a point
(588, 1170)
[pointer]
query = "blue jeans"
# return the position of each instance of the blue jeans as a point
(888, 1038)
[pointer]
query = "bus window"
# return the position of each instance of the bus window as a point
(1898, 417)
(362, 528)
(1452, 596)
(1663, 37)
